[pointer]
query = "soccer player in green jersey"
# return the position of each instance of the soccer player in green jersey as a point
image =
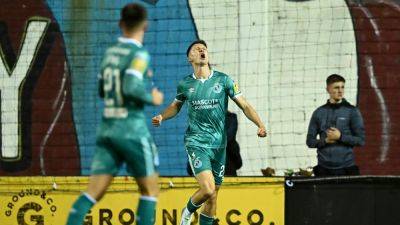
(123, 135)
(206, 92)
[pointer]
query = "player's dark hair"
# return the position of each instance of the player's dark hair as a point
(132, 15)
(333, 78)
(193, 43)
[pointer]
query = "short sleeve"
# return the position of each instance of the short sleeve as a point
(139, 64)
(180, 93)
(232, 88)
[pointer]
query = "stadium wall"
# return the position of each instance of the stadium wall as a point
(47, 200)
(366, 200)
(280, 53)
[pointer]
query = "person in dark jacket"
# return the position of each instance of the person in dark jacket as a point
(334, 129)
(233, 158)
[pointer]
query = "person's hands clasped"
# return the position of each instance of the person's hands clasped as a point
(333, 135)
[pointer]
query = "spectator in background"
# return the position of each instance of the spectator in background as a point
(340, 127)
(233, 158)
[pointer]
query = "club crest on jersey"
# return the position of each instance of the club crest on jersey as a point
(191, 90)
(197, 163)
(217, 88)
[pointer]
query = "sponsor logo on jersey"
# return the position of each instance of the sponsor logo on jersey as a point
(236, 88)
(217, 88)
(205, 103)
(139, 64)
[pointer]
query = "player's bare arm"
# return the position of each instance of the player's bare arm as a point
(251, 114)
(168, 113)
(158, 96)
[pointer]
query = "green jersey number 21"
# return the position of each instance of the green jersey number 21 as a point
(113, 99)
(112, 87)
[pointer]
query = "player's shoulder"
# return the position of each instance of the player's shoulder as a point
(185, 80)
(129, 47)
(217, 73)
(221, 76)
(118, 49)
(141, 52)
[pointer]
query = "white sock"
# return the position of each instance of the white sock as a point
(186, 213)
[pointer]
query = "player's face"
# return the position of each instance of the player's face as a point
(336, 90)
(198, 55)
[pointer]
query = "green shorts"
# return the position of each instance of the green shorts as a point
(140, 156)
(201, 159)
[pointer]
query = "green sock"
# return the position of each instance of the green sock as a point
(206, 220)
(146, 211)
(80, 208)
(192, 207)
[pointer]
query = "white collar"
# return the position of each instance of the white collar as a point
(130, 40)
(203, 79)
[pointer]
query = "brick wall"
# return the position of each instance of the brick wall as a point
(376, 25)
(36, 110)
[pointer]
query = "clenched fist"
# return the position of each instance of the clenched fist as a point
(156, 121)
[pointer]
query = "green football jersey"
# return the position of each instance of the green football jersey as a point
(207, 102)
(123, 87)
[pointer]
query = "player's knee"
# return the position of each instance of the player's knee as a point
(213, 197)
(150, 194)
(155, 191)
(96, 195)
(152, 191)
(208, 191)
(208, 194)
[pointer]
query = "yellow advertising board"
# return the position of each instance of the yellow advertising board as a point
(47, 200)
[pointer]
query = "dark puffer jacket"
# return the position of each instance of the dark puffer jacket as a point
(348, 120)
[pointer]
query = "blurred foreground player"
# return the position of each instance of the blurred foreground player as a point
(123, 135)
